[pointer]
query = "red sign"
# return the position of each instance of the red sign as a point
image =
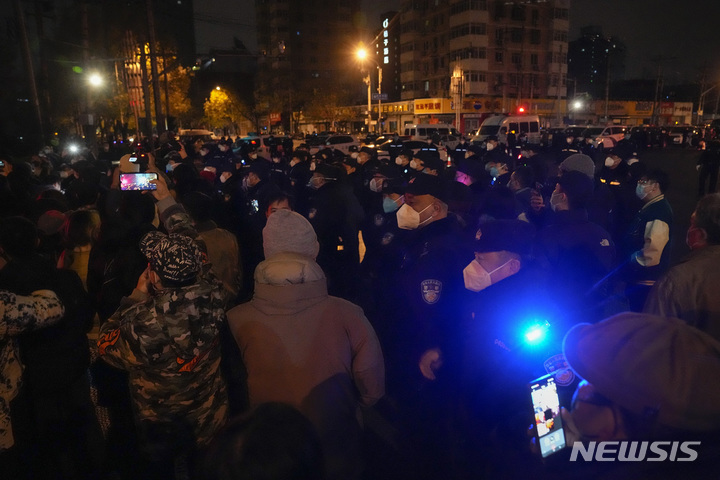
(275, 117)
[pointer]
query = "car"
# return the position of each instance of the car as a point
(375, 140)
(383, 150)
(450, 141)
(678, 135)
(575, 130)
(192, 134)
(607, 135)
(340, 142)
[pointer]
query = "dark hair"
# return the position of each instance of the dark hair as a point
(707, 217)
(578, 188)
(279, 196)
(273, 442)
(199, 205)
(81, 228)
(525, 176)
(659, 176)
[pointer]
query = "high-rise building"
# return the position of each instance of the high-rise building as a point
(500, 48)
(311, 43)
(593, 59)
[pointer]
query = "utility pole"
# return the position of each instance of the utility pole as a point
(153, 67)
(29, 66)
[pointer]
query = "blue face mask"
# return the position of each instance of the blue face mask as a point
(494, 172)
(390, 205)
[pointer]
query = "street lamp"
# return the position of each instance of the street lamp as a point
(362, 55)
(95, 80)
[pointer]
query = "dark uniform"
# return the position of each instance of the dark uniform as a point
(335, 214)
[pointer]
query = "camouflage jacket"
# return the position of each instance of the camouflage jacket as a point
(169, 344)
(19, 314)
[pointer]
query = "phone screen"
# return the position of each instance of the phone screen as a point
(133, 159)
(137, 181)
(546, 409)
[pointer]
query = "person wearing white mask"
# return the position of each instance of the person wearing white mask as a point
(646, 243)
(507, 297)
(424, 308)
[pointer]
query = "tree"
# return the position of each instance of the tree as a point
(223, 109)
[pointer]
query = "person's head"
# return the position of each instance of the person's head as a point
(569, 139)
(404, 158)
(175, 260)
(644, 376)
(424, 202)
(523, 177)
(259, 171)
(652, 184)
(324, 174)
(705, 223)
(365, 154)
(274, 441)
(299, 156)
(350, 164)
(491, 143)
(573, 191)
(393, 196)
(501, 247)
(289, 232)
(578, 162)
(612, 161)
(431, 162)
(82, 228)
(278, 201)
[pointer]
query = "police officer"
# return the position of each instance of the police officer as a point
(335, 214)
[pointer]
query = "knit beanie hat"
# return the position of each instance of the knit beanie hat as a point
(173, 257)
(579, 162)
(652, 366)
(288, 231)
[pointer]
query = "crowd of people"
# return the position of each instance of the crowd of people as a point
(341, 316)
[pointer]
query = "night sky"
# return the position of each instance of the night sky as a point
(685, 32)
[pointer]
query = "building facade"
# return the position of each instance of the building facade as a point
(499, 48)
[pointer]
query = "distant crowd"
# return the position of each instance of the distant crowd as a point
(340, 314)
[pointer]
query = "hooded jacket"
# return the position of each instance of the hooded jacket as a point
(316, 352)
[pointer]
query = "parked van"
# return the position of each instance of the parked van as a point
(422, 131)
(501, 125)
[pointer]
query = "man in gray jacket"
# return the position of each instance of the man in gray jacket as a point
(306, 348)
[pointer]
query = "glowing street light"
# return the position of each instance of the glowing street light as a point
(95, 80)
(217, 88)
(362, 55)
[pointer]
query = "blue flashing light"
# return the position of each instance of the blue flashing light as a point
(537, 333)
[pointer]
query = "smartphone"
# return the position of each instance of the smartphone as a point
(133, 159)
(2, 164)
(546, 412)
(137, 181)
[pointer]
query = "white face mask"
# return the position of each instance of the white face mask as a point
(489, 146)
(477, 278)
(354, 155)
(400, 161)
(409, 219)
(376, 184)
(609, 162)
(555, 200)
(414, 164)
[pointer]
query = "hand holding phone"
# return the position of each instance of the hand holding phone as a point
(548, 420)
(137, 181)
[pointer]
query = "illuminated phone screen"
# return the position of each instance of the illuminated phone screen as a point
(137, 181)
(546, 409)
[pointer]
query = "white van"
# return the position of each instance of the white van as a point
(501, 125)
(422, 131)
